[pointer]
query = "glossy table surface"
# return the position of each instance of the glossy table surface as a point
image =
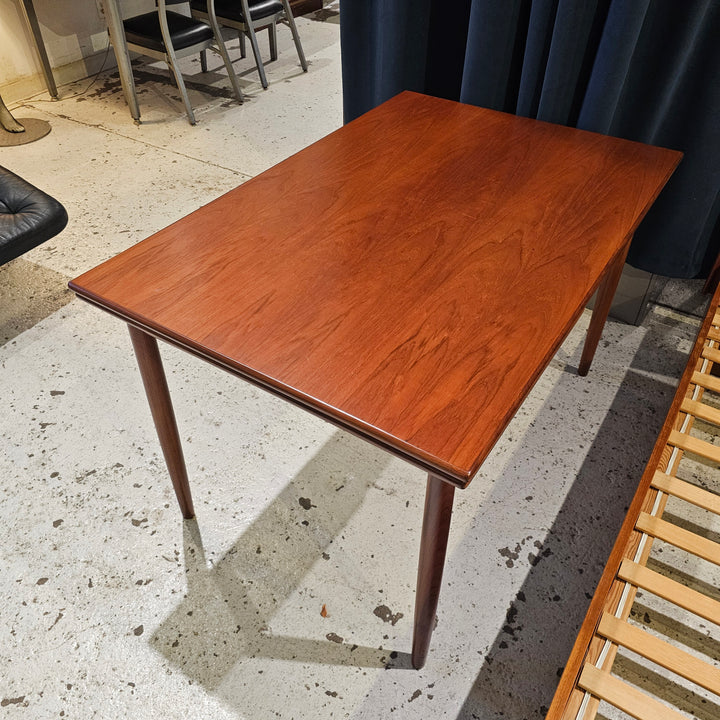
(408, 277)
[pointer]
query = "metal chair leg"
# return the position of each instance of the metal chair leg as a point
(203, 61)
(250, 32)
(181, 87)
(122, 56)
(272, 38)
(171, 60)
(256, 53)
(231, 73)
(296, 37)
(223, 51)
(243, 52)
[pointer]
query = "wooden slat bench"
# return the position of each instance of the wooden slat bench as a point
(592, 680)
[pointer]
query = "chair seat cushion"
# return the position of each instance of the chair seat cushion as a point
(144, 30)
(28, 216)
(232, 10)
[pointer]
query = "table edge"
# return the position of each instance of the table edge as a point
(446, 472)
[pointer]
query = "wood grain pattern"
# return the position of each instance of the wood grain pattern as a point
(670, 590)
(625, 697)
(679, 537)
(695, 445)
(416, 288)
(688, 492)
(660, 652)
(706, 381)
(701, 410)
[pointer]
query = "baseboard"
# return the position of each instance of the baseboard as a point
(32, 85)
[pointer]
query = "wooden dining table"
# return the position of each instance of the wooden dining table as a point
(412, 293)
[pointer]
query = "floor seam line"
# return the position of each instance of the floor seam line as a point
(132, 139)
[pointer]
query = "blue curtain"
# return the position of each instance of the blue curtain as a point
(646, 70)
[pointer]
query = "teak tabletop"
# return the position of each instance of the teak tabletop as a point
(413, 292)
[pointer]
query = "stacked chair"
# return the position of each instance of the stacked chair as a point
(168, 35)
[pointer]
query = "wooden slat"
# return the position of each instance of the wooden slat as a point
(625, 697)
(713, 334)
(707, 381)
(660, 652)
(711, 354)
(685, 491)
(683, 539)
(694, 445)
(670, 590)
(701, 410)
(716, 319)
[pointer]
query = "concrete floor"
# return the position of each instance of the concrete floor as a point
(111, 606)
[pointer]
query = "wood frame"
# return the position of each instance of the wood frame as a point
(587, 678)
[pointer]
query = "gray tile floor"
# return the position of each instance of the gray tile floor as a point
(112, 607)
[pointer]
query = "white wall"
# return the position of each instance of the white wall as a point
(75, 38)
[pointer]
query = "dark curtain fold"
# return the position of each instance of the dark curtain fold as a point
(646, 70)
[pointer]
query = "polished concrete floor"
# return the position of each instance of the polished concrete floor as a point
(112, 606)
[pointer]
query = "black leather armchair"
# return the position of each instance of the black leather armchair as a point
(28, 216)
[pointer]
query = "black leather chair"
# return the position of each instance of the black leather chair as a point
(247, 16)
(28, 216)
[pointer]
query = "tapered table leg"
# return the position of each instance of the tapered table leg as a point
(605, 294)
(433, 544)
(158, 395)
